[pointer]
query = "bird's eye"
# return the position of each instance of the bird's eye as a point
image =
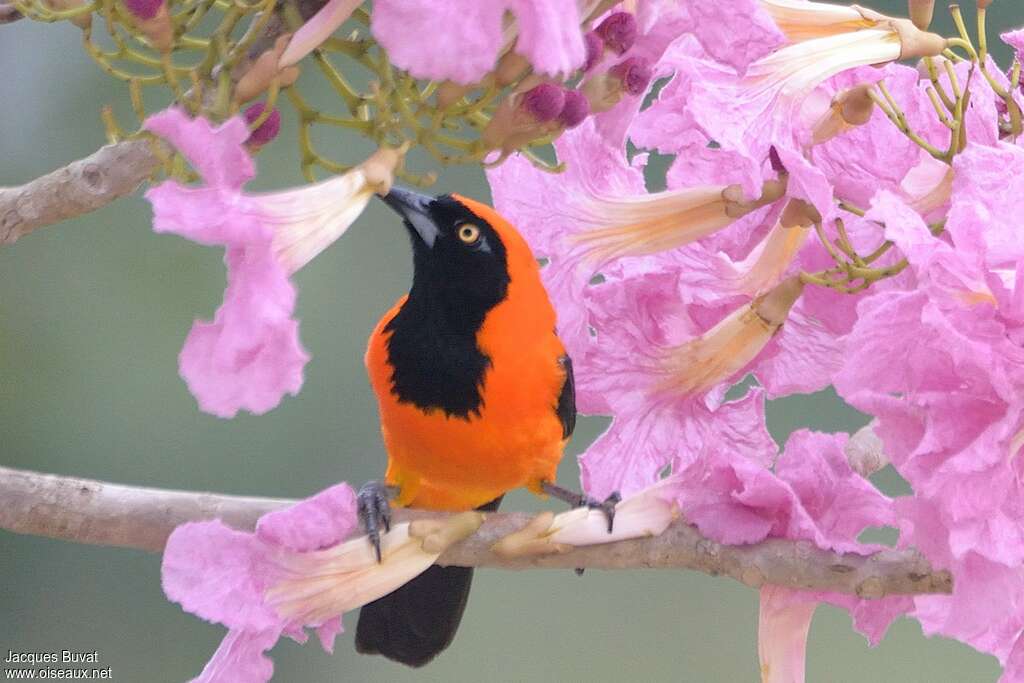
(469, 233)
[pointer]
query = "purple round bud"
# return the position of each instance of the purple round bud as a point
(635, 74)
(544, 102)
(144, 9)
(618, 31)
(267, 130)
(576, 108)
(595, 48)
(776, 161)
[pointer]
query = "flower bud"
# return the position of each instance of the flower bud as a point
(153, 19)
(264, 70)
(544, 102)
(267, 130)
(523, 117)
(594, 45)
(618, 31)
(920, 12)
(849, 108)
(144, 9)
(635, 74)
(575, 110)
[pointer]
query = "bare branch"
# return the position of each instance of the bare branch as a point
(80, 187)
(8, 13)
(86, 511)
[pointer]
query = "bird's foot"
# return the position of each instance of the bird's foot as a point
(579, 500)
(375, 510)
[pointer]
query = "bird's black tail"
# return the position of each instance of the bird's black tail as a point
(414, 623)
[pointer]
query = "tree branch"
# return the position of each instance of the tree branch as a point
(82, 186)
(87, 511)
(8, 13)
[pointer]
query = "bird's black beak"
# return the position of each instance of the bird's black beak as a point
(415, 209)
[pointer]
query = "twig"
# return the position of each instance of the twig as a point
(82, 186)
(86, 511)
(8, 13)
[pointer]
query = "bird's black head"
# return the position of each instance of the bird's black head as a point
(460, 273)
(459, 259)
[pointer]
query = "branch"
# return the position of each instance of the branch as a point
(82, 186)
(8, 13)
(87, 511)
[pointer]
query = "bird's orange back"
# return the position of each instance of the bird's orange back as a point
(514, 437)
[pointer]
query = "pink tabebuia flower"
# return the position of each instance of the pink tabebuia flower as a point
(221, 575)
(296, 571)
(249, 356)
(939, 365)
(764, 106)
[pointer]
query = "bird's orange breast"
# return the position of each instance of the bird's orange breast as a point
(515, 439)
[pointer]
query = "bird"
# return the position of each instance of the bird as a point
(476, 398)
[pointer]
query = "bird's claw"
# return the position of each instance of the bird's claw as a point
(581, 500)
(607, 506)
(374, 511)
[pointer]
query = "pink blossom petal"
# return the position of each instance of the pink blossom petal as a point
(1014, 669)
(549, 36)
(988, 182)
(783, 624)
(217, 153)
(206, 215)
(314, 523)
(736, 33)
(250, 355)
(803, 358)
(808, 183)
(219, 574)
(630, 455)
(1015, 39)
(240, 658)
(222, 575)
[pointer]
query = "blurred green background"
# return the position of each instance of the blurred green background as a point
(92, 315)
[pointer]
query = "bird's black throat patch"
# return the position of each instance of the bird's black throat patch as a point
(432, 346)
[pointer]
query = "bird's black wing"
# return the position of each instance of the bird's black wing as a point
(566, 408)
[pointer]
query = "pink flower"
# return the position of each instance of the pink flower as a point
(249, 356)
(221, 575)
(547, 33)
(940, 367)
(295, 572)
(748, 113)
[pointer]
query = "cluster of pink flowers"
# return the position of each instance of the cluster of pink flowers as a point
(784, 167)
(669, 299)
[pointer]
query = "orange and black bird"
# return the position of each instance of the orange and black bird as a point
(476, 398)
